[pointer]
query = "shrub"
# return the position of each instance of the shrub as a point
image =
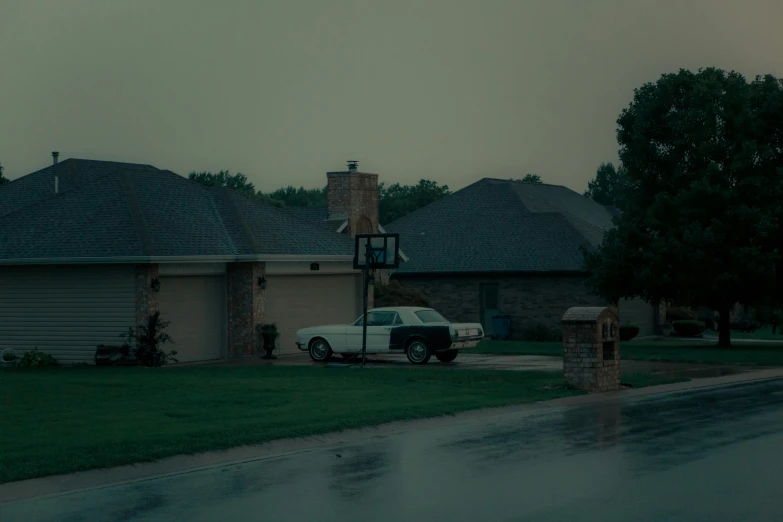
(745, 325)
(8, 356)
(395, 294)
(628, 332)
(149, 338)
(680, 313)
(708, 319)
(689, 328)
(34, 358)
(540, 333)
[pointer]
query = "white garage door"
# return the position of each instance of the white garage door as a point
(195, 306)
(66, 311)
(294, 302)
(638, 313)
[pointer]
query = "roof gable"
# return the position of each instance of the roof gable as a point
(502, 226)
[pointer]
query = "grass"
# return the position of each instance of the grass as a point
(62, 420)
(697, 352)
(764, 333)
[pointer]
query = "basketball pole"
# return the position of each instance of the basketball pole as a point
(368, 258)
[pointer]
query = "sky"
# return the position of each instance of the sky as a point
(286, 90)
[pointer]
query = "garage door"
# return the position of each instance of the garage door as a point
(294, 302)
(195, 306)
(66, 311)
(638, 313)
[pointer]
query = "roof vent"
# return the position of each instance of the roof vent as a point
(353, 165)
(55, 155)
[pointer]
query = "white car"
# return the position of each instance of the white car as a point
(418, 332)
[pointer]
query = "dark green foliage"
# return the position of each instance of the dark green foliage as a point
(237, 182)
(745, 325)
(680, 313)
(395, 294)
(149, 340)
(3, 179)
(396, 201)
(688, 327)
(299, 197)
(702, 196)
(532, 178)
(607, 186)
(539, 332)
(628, 332)
(36, 359)
(708, 318)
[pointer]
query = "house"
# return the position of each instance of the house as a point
(90, 248)
(508, 247)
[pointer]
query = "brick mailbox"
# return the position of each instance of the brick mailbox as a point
(591, 348)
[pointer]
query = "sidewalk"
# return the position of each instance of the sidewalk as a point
(61, 484)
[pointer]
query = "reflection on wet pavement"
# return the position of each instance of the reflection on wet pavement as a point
(711, 455)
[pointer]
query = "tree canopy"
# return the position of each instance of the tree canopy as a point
(3, 179)
(396, 201)
(532, 178)
(701, 223)
(238, 182)
(300, 197)
(606, 187)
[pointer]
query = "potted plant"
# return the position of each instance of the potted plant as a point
(269, 334)
(8, 357)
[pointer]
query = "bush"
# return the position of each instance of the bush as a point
(708, 319)
(34, 358)
(148, 339)
(628, 332)
(395, 294)
(689, 328)
(745, 325)
(680, 313)
(541, 333)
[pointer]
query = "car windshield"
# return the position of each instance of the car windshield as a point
(430, 316)
(385, 318)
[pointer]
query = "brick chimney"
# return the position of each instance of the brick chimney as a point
(353, 195)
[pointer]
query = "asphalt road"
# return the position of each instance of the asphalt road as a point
(709, 455)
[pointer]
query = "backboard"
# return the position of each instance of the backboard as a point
(376, 251)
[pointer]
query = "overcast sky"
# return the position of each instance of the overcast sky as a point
(285, 90)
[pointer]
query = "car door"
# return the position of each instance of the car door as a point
(379, 326)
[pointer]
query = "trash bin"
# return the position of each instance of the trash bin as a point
(501, 327)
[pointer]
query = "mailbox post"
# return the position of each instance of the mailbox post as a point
(591, 348)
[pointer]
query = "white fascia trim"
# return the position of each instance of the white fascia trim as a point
(167, 259)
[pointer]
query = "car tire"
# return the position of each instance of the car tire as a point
(320, 351)
(448, 356)
(418, 352)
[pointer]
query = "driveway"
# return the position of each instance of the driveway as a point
(710, 454)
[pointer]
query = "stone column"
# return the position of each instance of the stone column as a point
(245, 309)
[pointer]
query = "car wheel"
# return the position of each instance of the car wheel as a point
(320, 351)
(447, 356)
(418, 352)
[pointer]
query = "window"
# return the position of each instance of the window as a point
(385, 318)
(430, 316)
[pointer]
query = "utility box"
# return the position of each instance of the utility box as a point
(591, 348)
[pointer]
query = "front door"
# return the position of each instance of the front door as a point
(489, 306)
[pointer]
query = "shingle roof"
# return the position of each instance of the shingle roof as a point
(318, 215)
(502, 226)
(106, 209)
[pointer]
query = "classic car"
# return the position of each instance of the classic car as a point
(418, 332)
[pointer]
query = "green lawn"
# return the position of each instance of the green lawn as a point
(702, 352)
(69, 419)
(764, 332)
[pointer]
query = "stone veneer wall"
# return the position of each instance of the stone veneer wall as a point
(527, 299)
(245, 309)
(146, 298)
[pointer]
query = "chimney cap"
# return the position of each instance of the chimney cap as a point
(55, 154)
(353, 165)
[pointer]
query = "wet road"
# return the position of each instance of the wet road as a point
(710, 455)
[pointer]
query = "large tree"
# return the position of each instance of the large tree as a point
(3, 179)
(702, 198)
(532, 178)
(237, 182)
(396, 201)
(606, 187)
(300, 197)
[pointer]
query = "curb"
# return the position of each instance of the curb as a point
(60, 485)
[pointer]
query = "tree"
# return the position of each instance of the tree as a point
(300, 197)
(3, 179)
(606, 188)
(532, 178)
(396, 201)
(702, 195)
(237, 182)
